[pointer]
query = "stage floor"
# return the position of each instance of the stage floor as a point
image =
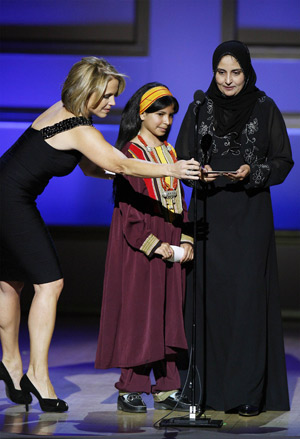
(92, 397)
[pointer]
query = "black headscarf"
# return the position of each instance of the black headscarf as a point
(232, 112)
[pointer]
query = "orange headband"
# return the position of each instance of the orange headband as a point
(152, 95)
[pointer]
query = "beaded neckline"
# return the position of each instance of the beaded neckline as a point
(65, 125)
(169, 191)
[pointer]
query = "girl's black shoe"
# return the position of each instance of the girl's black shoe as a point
(176, 401)
(132, 403)
(46, 404)
(15, 395)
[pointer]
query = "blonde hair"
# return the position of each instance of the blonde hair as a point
(88, 76)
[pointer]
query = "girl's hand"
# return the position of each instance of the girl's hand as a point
(240, 175)
(188, 252)
(165, 250)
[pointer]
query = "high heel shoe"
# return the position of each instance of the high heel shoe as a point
(46, 404)
(15, 395)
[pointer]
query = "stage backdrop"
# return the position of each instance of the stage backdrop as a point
(170, 41)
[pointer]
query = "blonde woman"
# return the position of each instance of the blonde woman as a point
(53, 145)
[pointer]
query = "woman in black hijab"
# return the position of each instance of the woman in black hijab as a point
(241, 134)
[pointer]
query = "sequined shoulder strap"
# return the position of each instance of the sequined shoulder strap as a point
(65, 125)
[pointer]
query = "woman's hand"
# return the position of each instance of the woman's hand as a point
(165, 250)
(186, 169)
(188, 254)
(204, 176)
(241, 173)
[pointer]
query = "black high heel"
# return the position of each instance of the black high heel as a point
(15, 395)
(46, 404)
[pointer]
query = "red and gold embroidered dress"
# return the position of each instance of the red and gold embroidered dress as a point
(141, 316)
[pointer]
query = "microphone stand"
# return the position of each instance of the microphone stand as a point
(196, 416)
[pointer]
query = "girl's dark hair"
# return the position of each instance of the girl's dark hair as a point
(131, 121)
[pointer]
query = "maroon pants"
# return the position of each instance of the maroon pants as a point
(137, 379)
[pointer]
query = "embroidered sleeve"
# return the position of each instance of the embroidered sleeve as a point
(150, 245)
(272, 169)
(186, 239)
(259, 174)
(133, 206)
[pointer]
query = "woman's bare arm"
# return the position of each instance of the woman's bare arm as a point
(90, 169)
(91, 143)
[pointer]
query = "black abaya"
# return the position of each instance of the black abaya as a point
(244, 352)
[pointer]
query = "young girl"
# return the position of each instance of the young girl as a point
(141, 327)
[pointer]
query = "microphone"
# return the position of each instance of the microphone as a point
(199, 97)
(205, 145)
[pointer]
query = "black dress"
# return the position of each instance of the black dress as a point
(27, 252)
(240, 352)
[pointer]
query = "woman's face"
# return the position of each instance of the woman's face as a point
(107, 101)
(229, 76)
(158, 123)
